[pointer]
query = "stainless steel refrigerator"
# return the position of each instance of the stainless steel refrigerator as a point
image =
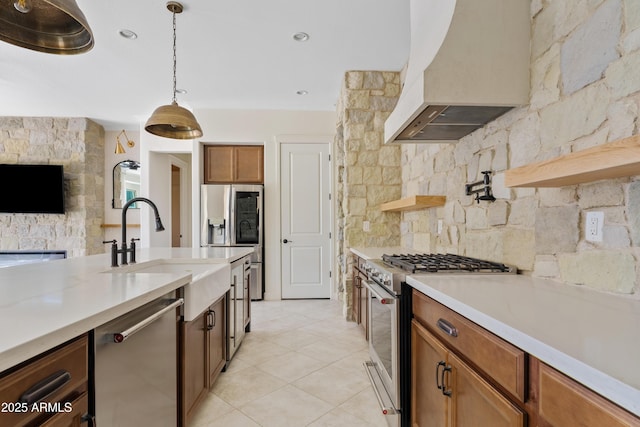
(232, 215)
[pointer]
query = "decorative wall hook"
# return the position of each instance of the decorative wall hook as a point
(483, 193)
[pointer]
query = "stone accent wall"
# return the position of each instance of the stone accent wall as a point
(368, 172)
(585, 91)
(78, 145)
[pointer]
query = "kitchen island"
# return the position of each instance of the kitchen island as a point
(46, 304)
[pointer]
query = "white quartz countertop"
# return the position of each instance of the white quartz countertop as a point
(591, 336)
(45, 304)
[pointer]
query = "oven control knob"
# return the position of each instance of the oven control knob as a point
(386, 281)
(375, 274)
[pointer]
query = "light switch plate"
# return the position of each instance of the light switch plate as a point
(366, 226)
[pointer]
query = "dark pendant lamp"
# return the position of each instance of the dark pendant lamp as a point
(173, 121)
(51, 26)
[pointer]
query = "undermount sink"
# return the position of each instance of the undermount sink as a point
(208, 281)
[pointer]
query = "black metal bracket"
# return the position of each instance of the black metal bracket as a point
(483, 193)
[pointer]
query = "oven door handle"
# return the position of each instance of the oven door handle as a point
(377, 291)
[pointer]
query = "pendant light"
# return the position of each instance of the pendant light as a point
(51, 26)
(173, 121)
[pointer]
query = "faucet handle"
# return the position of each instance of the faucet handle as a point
(132, 248)
(114, 251)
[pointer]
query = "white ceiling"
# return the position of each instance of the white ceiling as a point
(232, 54)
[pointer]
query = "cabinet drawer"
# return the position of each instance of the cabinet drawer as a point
(503, 362)
(65, 371)
(71, 414)
(564, 402)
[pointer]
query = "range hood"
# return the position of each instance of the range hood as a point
(468, 65)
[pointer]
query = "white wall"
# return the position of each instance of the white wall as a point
(264, 127)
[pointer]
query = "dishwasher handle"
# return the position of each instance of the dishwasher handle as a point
(119, 337)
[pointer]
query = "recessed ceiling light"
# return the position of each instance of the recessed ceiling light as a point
(182, 91)
(302, 92)
(128, 34)
(301, 37)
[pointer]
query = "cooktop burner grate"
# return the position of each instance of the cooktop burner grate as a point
(437, 263)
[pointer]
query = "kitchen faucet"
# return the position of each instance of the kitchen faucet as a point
(123, 249)
(486, 188)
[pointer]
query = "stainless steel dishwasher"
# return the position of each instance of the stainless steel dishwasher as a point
(136, 366)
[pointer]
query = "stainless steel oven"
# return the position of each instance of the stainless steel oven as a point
(384, 368)
(385, 325)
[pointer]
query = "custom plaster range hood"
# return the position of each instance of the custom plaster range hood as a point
(468, 65)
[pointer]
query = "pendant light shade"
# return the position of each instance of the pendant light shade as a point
(173, 121)
(51, 26)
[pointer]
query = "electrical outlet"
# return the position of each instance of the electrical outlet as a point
(366, 226)
(595, 222)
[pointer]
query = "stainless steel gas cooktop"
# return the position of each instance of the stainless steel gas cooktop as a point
(442, 263)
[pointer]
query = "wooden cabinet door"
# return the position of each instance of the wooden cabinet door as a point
(249, 164)
(355, 296)
(475, 402)
(429, 406)
(364, 306)
(246, 294)
(194, 365)
(564, 402)
(238, 164)
(217, 340)
(218, 164)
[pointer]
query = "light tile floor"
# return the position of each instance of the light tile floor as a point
(301, 365)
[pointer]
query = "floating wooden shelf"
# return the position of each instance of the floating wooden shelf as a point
(119, 225)
(413, 203)
(607, 161)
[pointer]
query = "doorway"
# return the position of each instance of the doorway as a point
(305, 191)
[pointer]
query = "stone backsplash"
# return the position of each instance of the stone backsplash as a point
(585, 91)
(78, 145)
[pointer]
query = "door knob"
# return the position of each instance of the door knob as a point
(287, 241)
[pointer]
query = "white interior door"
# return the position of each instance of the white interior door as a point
(305, 185)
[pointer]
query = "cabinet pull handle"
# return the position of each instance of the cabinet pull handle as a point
(441, 363)
(45, 387)
(89, 419)
(447, 328)
(209, 320)
(445, 392)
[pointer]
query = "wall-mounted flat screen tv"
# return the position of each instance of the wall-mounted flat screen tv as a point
(31, 189)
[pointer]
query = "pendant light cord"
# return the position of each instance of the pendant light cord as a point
(174, 58)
